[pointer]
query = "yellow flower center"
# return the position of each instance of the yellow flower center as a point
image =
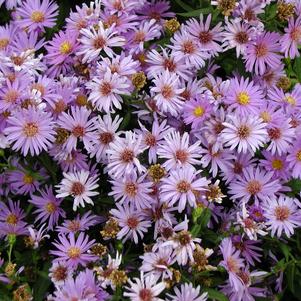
(291, 100)
(30, 129)
(3, 43)
(277, 164)
(73, 252)
(12, 219)
(50, 207)
(243, 98)
(65, 47)
(266, 117)
(298, 155)
(28, 179)
(198, 111)
(37, 16)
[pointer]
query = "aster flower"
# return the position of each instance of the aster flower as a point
(292, 38)
(79, 185)
(131, 222)
(263, 52)
(94, 41)
(132, 190)
(181, 186)
(48, 207)
(254, 183)
(27, 41)
(283, 214)
(188, 293)
(30, 131)
(60, 272)
(123, 153)
(80, 126)
(73, 250)
(36, 15)
(106, 92)
(247, 133)
(167, 93)
(207, 38)
(144, 288)
(178, 152)
(294, 159)
(36, 236)
(79, 223)
(243, 96)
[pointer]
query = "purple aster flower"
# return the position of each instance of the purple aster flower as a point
(246, 133)
(6, 33)
(196, 111)
(132, 190)
(244, 97)
(283, 214)
(292, 38)
(177, 151)
(187, 293)
(59, 272)
(11, 219)
(207, 38)
(294, 159)
(30, 130)
(181, 186)
(79, 125)
(73, 250)
(48, 207)
(106, 92)
(131, 221)
(79, 185)
(27, 41)
(94, 41)
(36, 15)
(123, 155)
(144, 288)
(74, 161)
(79, 223)
(256, 183)
(263, 52)
(167, 93)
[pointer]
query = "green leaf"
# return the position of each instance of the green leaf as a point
(215, 295)
(201, 222)
(290, 274)
(184, 5)
(297, 68)
(42, 284)
(285, 250)
(197, 12)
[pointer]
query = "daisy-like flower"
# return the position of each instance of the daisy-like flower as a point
(131, 222)
(237, 35)
(207, 38)
(106, 131)
(35, 15)
(36, 236)
(244, 97)
(144, 288)
(30, 131)
(178, 152)
(292, 38)
(283, 214)
(294, 159)
(59, 272)
(48, 207)
(72, 250)
(186, 47)
(106, 92)
(123, 153)
(196, 111)
(167, 93)
(94, 41)
(247, 133)
(80, 126)
(254, 183)
(133, 190)
(231, 261)
(181, 186)
(79, 185)
(263, 52)
(187, 293)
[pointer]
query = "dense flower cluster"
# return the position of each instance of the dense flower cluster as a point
(147, 158)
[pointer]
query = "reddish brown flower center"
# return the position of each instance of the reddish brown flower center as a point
(132, 222)
(183, 186)
(131, 189)
(232, 265)
(205, 37)
(182, 156)
(261, 50)
(105, 88)
(145, 294)
(249, 14)
(244, 276)
(78, 131)
(243, 132)
(106, 138)
(241, 37)
(60, 106)
(11, 96)
(127, 156)
(30, 129)
(74, 225)
(184, 238)
(254, 187)
(139, 37)
(39, 87)
(99, 42)
(282, 213)
(274, 133)
(167, 232)
(167, 92)
(188, 47)
(249, 223)
(155, 15)
(77, 188)
(150, 140)
(60, 273)
(296, 34)
(170, 65)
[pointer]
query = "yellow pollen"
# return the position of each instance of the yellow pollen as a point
(291, 100)
(266, 117)
(30, 129)
(50, 207)
(3, 43)
(277, 164)
(243, 98)
(37, 16)
(12, 219)
(65, 47)
(298, 155)
(74, 252)
(28, 179)
(198, 111)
